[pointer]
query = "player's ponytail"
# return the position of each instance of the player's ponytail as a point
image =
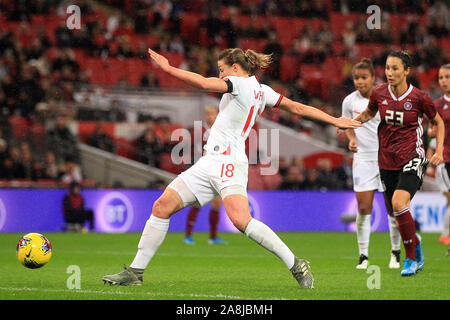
(365, 63)
(249, 60)
(404, 56)
(257, 60)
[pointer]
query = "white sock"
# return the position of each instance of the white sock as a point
(363, 233)
(394, 234)
(263, 235)
(446, 223)
(155, 231)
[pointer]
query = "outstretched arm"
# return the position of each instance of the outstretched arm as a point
(366, 115)
(311, 112)
(191, 78)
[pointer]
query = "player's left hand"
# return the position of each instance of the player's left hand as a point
(436, 159)
(160, 60)
(347, 123)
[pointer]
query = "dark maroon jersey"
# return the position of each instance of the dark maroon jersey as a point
(443, 107)
(400, 130)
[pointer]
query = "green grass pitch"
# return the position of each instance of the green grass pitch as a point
(241, 270)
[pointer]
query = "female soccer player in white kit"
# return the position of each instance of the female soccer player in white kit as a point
(366, 173)
(223, 170)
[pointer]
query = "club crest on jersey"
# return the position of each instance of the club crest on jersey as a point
(445, 107)
(407, 106)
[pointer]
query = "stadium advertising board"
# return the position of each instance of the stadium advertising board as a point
(117, 211)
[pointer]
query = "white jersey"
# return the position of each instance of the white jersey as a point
(237, 115)
(367, 134)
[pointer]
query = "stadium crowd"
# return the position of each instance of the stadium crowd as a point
(40, 70)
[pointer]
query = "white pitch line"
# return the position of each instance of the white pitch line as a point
(156, 294)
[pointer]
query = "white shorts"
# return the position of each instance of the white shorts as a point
(212, 173)
(366, 176)
(442, 177)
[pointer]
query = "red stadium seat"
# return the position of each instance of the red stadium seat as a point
(190, 26)
(37, 132)
(96, 70)
(87, 129)
(46, 183)
(19, 127)
(125, 148)
(289, 68)
(272, 181)
(310, 162)
(257, 45)
(288, 29)
(88, 183)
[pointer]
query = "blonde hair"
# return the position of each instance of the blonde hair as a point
(249, 60)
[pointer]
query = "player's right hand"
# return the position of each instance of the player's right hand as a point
(160, 60)
(347, 123)
(353, 145)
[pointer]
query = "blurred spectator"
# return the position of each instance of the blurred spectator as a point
(149, 80)
(326, 176)
(18, 170)
(312, 180)
(75, 214)
(72, 172)
(61, 141)
(101, 140)
(283, 166)
(344, 174)
(294, 179)
(7, 169)
(116, 114)
(150, 148)
(50, 166)
(273, 47)
(3, 145)
(166, 135)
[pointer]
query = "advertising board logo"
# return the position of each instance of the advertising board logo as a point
(2, 214)
(115, 213)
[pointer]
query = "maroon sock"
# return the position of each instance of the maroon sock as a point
(192, 216)
(213, 223)
(407, 230)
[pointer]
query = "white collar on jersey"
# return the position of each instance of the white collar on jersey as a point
(446, 98)
(403, 96)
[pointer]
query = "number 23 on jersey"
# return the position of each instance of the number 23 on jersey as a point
(394, 118)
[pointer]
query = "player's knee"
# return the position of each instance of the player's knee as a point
(398, 204)
(160, 209)
(364, 209)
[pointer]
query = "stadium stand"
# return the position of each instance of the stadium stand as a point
(42, 62)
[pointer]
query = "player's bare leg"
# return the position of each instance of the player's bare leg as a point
(365, 201)
(155, 231)
(237, 208)
(445, 235)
